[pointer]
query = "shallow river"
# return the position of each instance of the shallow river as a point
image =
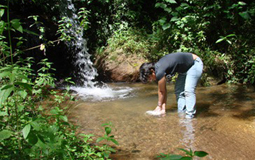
(224, 125)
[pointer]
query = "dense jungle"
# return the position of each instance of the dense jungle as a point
(38, 57)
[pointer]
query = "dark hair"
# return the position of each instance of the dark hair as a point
(145, 71)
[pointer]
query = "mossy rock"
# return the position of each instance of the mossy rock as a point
(119, 66)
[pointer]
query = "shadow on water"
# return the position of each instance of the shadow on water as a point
(204, 110)
(244, 96)
(239, 99)
(224, 125)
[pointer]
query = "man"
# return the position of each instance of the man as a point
(189, 68)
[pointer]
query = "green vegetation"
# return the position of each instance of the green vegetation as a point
(189, 155)
(220, 32)
(33, 121)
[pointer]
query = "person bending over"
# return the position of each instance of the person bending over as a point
(189, 68)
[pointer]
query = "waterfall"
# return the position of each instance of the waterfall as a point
(86, 71)
(89, 89)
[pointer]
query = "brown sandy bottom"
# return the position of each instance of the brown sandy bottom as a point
(224, 126)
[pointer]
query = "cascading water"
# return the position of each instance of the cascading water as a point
(86, 71)
(89, 89)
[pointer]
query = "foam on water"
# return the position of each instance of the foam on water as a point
(102, 93)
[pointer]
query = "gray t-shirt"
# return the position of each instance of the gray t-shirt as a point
(168, 65)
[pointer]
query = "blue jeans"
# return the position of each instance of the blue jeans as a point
(185, 88)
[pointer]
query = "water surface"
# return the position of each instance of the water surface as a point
(224, 125)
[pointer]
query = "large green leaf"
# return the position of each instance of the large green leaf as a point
(23, 94)
(186, 151)
(160, 5)
(241, 3)
(115, 142)
(64, 118)
(174, 19)
(108, 130)
(32, 138)
(245, 15)
(162, 21)
(4, 134)
(15, 23)
(100, 139)
(40, 143)
(3, 6)
(2, 24)
(166, 26)
(26, 130)
(220, 40)
(5, 74)
(200, 153)
(186, 158)
(55, 111)
(171, 1)
(1, 12)
(7, 86)
(5, 93)
(24, 85)
(169, 10)
(173, 157)
(36, 125)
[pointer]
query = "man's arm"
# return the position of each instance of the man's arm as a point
(162, 93)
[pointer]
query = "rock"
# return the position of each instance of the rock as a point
(119, 67)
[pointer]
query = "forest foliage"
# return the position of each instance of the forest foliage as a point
(32, 33)
(218, 31)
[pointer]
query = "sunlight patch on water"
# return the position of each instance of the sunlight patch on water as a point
(102, 93)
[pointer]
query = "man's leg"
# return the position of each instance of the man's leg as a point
(179, 92)
(192, 78)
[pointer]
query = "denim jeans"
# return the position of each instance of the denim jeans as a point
(185, 88)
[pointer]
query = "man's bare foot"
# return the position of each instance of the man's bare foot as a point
(156, 112)
(157, 109)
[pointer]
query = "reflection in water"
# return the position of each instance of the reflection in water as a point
(188, 131)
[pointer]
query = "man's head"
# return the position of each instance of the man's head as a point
(147, 72)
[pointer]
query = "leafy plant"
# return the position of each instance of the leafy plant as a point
(64, 26)
(181, 28)
(189, 155)
(130, 41)
(32, 129)
(83, 16)
(107, 137)
(106, 149)
(33, 119)
(226, 38)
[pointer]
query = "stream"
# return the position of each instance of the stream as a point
(224, 126)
